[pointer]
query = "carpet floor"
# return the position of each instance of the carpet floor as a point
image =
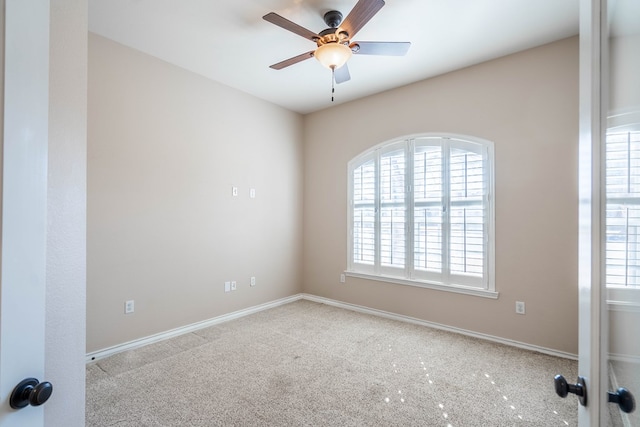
(311, 364)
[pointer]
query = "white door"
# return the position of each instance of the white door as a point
(609, 209)
(24, 188)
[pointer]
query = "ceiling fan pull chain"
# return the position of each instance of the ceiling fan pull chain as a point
(333, 81)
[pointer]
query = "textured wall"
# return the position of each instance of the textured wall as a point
(165, 148)
(527, 104)
(66, 216)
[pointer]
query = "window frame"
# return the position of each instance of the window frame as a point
(618, 295)
(408, 274)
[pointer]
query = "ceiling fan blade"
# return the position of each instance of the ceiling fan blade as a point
(380, 48)
(278, 20)
(342, 74)
(291, 61)
(361, 13)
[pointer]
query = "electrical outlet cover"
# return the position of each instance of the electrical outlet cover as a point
(129, 307)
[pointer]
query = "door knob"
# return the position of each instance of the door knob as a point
(579, 389)
(30, 392)
(623, 398)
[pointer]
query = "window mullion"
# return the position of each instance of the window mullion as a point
(409, 208)
(487, 223)
(446, 209)
(378, 228)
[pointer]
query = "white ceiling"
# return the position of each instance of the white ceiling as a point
(229, 42)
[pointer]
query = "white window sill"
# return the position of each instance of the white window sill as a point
(459, 289)
(623, 299)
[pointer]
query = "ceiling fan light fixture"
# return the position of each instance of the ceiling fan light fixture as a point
(333, 55)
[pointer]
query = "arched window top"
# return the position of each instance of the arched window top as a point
(472, 143)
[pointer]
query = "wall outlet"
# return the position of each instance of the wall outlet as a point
(252, 281)
(252, 193)
(233, 285)
(227, 286)
(520, 307)
(343, 278)
(129, 307)
(234, 191)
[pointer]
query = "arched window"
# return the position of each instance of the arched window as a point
(421, 213)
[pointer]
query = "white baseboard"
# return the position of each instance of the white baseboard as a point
(434, 325)
(100, 354)
(627, 358)
(106, 352)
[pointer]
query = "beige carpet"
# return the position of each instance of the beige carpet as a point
(310, 364)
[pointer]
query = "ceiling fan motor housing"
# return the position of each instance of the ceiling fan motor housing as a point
(333, 18)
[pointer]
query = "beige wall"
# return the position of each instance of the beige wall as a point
(527, 104)
(165, 147)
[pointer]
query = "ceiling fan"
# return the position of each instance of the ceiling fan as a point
(334, 44)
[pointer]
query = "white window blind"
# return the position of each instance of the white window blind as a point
(392, 209)
(428, 208)
(427, 212)
(364, 203)
(622, 231)
(467, 215)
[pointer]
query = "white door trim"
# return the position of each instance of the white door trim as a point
(591, 297)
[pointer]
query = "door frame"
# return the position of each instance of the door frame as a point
(593, 318)
(64, 348)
